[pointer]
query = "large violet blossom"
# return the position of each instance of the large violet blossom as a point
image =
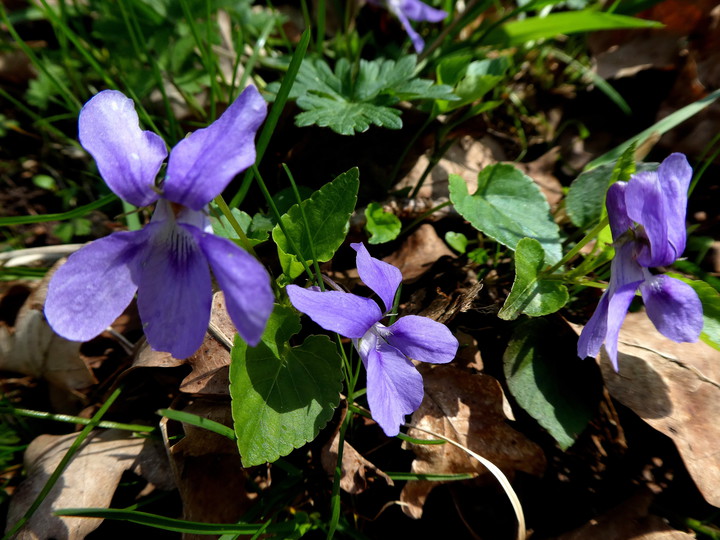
(647, 220)
(168, 262)
(412, 10)
(394, 386)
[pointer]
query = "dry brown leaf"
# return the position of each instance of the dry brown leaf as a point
(207, 468)
(631, 520)
(466, 157)
(89, 481)
(467, 408)
(418, 252)
(210, 364)
(32, 348)
(355, 468)
(674, 387)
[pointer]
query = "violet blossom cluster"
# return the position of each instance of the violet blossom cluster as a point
(168, 262)
(647, 220)
(394, 385)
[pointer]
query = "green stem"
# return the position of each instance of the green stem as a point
(424, 215)
(278, 219)
(576, 249)
(42, 415)
(64, 462)
(319, 278)
(242, 237)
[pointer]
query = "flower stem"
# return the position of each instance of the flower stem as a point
(242, 237)
(576, 249)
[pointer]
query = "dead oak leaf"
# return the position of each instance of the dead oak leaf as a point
(674, 387)
(32, 348)
(355, 468)
(467, 408)
(213, 485)
(89, 481)
(631, 519)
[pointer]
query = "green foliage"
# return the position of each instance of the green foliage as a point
(382, 226)
(257, 228)
(531, 293)
(569, 22)
(585, 201)
(328, 214)
(457, 241)
(549, 385)
(281, 395)
(508, 206)
(470, 80)
(349, 100)
(294, 528)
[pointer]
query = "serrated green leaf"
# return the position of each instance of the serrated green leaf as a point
(282, 396)
(508, 206)
(457, 241)
(710, 299)
(349, 102)
(530, 293)
(328, 213)
(382, 226)
(549, 385)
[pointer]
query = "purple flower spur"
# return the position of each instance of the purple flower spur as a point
(647, 220)
(168, 262)
(412, 10)
(394, 386)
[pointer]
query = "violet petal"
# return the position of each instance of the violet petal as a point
(175, 291)
(127, 157)
(673, 307)
(245, 282)
(419, 11)
(675, 174)
(94, 286)
(382, 278)
(422, 339)
(594, 332)
(417, 41)
(204, 163)
(617, 212)
(345, 313)
(645, 205)
(394, 386)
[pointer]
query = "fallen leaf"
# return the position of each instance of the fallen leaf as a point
(418, 252)
(89, 481)
(467, 408)
(466, 157)
(630, 520)
(210, 363)
(206, 467)
(675, 388)
(355, 468)
(32, 348)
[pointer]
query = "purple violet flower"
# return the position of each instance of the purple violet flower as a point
(647, 220)
(167, 263)
(394, 385)
(412, 10)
